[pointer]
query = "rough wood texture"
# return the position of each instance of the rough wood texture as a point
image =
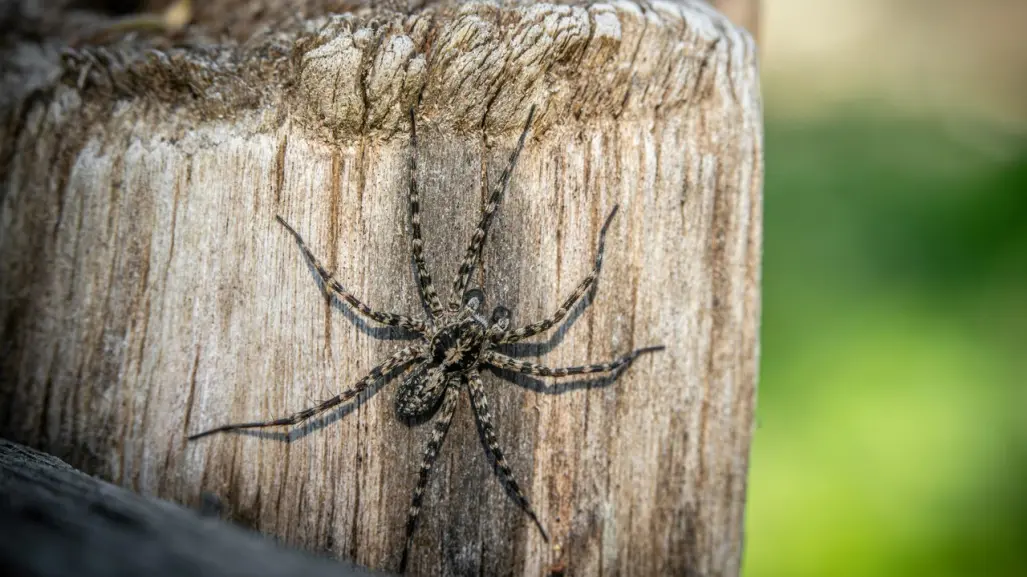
(147, 292)
(58, 522)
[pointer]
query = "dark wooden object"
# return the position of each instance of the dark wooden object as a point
(59, 522)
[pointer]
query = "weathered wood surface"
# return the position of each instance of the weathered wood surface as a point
(146, 291)
(58, 522)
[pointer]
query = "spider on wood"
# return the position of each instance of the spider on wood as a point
(454, 342)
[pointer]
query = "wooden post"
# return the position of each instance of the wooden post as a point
(146, 291)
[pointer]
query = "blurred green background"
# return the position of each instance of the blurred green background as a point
(891, 430)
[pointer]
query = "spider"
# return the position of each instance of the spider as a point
(454, 341)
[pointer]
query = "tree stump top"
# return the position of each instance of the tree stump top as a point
(473, 65)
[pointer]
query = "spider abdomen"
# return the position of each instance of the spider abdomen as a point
(421, 392)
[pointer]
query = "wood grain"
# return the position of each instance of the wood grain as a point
(146, 291)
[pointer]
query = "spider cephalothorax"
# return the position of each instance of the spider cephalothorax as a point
(454, 342)
(453, 349)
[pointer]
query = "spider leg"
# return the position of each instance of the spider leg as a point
(478, 239)
(502, 361)
(431, 298)
(382, 317)
(400, 358)
(438, 434)
(583, 287)
(481, 411)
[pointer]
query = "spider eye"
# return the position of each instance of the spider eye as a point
(474, 298)
(501, 317)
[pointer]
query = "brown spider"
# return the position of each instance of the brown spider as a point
(454, 343)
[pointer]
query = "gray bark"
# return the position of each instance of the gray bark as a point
(146, 291)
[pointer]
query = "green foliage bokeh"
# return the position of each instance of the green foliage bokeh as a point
(891, 431)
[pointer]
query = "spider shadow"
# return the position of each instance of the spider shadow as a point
(318, 423)
(542, 348)
(507, 484)
(542, 386)
(425, 309)
(538, 386)
(383, 333)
